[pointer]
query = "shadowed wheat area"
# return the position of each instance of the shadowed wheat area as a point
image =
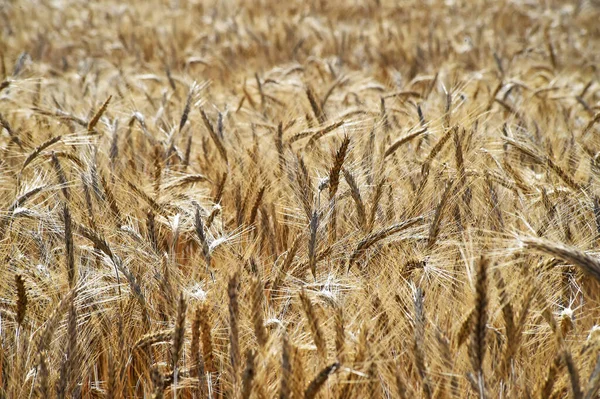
(300, 199)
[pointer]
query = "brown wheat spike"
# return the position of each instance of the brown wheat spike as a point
(400, 386)
(419, 344)
(249, 374)
(186, 108)
(403, 140)
(590, 124)
(71, 272)
(151, 229)
(587, 263)
(73, 343)
(594, 381)
(286, 368)
(312, 243)
(185, 181)
(478, 345)
(256, 205)
(158, 382)
(313, 322)
(92, 123)
(157, 163)
(47, 332)
(375, 198)
(112, 201)
(315, 105)
(279, 147)
(340, 334)
(573, 374)
(220, 187)
(38, 150)
(211, 217)
(439, 213)
(163, 336)
(374, 386)
(287, 263)
(213, 135)
(514, 343)
(315, 134)
(338, 161)
(334, 179)
(197, 367)
(258, 318)
(447, 358)
(545, 390)
(234, 317)
(60, 173)
(178, 332)
(320, 133)
(379, 235)
(203, 239)
(13, 136)
(20, 201)
(460, 166)
(317, 383)
(507, 309)
(356, 197)
(544, 160)
(439, 145)
(21, 299)
(111, 388)
(43, 389)
(206, 335)
(298, 383)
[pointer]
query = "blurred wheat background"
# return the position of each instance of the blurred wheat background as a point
(299, 199)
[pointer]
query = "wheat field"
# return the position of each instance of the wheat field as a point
(300, 199)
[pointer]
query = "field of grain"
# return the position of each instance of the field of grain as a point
(299, 199)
